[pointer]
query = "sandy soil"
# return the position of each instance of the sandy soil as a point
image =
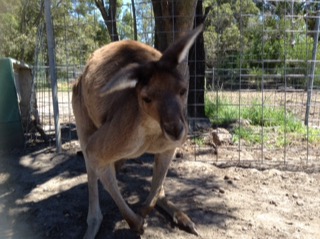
(44, 195)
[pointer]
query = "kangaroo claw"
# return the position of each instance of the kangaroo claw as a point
(181, 219)
(138, 228)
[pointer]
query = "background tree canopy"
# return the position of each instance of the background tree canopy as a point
(238, 33)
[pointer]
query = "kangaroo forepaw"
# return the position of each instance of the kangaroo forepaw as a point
(181, 219)
(138, 226)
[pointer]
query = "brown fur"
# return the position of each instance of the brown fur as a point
(127, 102)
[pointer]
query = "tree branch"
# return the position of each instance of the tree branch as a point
(109, 17)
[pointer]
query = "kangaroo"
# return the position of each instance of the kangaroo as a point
(131, 100)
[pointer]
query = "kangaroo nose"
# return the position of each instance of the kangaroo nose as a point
(173, 130)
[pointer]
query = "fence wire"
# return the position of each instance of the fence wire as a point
(257, 91)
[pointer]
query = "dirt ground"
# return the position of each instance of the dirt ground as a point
(44, 195)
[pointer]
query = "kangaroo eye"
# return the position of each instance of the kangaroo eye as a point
(183, 92)
(147, 100)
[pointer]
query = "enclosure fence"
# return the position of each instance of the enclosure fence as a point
(262, 80)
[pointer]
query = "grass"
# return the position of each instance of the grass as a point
(223, 113)
(220, 111)
(63, 86)
(199, 141)
(249, 135)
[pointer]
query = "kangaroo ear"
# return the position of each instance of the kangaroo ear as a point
(178, 51)
(125, 78)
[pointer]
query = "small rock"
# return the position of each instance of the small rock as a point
(267, 157)
(236, 178)
(273, 172)
(295, 195)
(242, 123)
(229, 181)
(226, 177)
(272, 202)
(221, 190)
(220, 136)
(299, 202)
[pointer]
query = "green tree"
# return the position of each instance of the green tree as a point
(76, 28)
(77, 31)
(224, 38)
(19, 20)
(126, 25)
(145, 22)
(279, 38)
(108, 11)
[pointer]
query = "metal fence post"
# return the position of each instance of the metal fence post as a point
(52, 71)
(313, 67)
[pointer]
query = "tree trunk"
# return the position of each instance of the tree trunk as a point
(173, 18)
(197, 71)
(109, 16)
(134, 21)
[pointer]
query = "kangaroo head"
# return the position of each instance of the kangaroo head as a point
(161, 90)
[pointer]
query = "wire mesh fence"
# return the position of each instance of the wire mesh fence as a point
(254, 125)
(262, 83)
(269, 99)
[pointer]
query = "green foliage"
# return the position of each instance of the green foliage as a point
(210, 41)
(263, 115)
(257, 35)
(222, 113)
(102, 36)
(312, 135)
(76, 29)
(238, 33)
(125, 28)
(145, 22)
(199, 141)
(223, 39)
(249, 135)
(18, 27)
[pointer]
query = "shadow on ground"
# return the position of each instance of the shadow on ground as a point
(43, 195)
